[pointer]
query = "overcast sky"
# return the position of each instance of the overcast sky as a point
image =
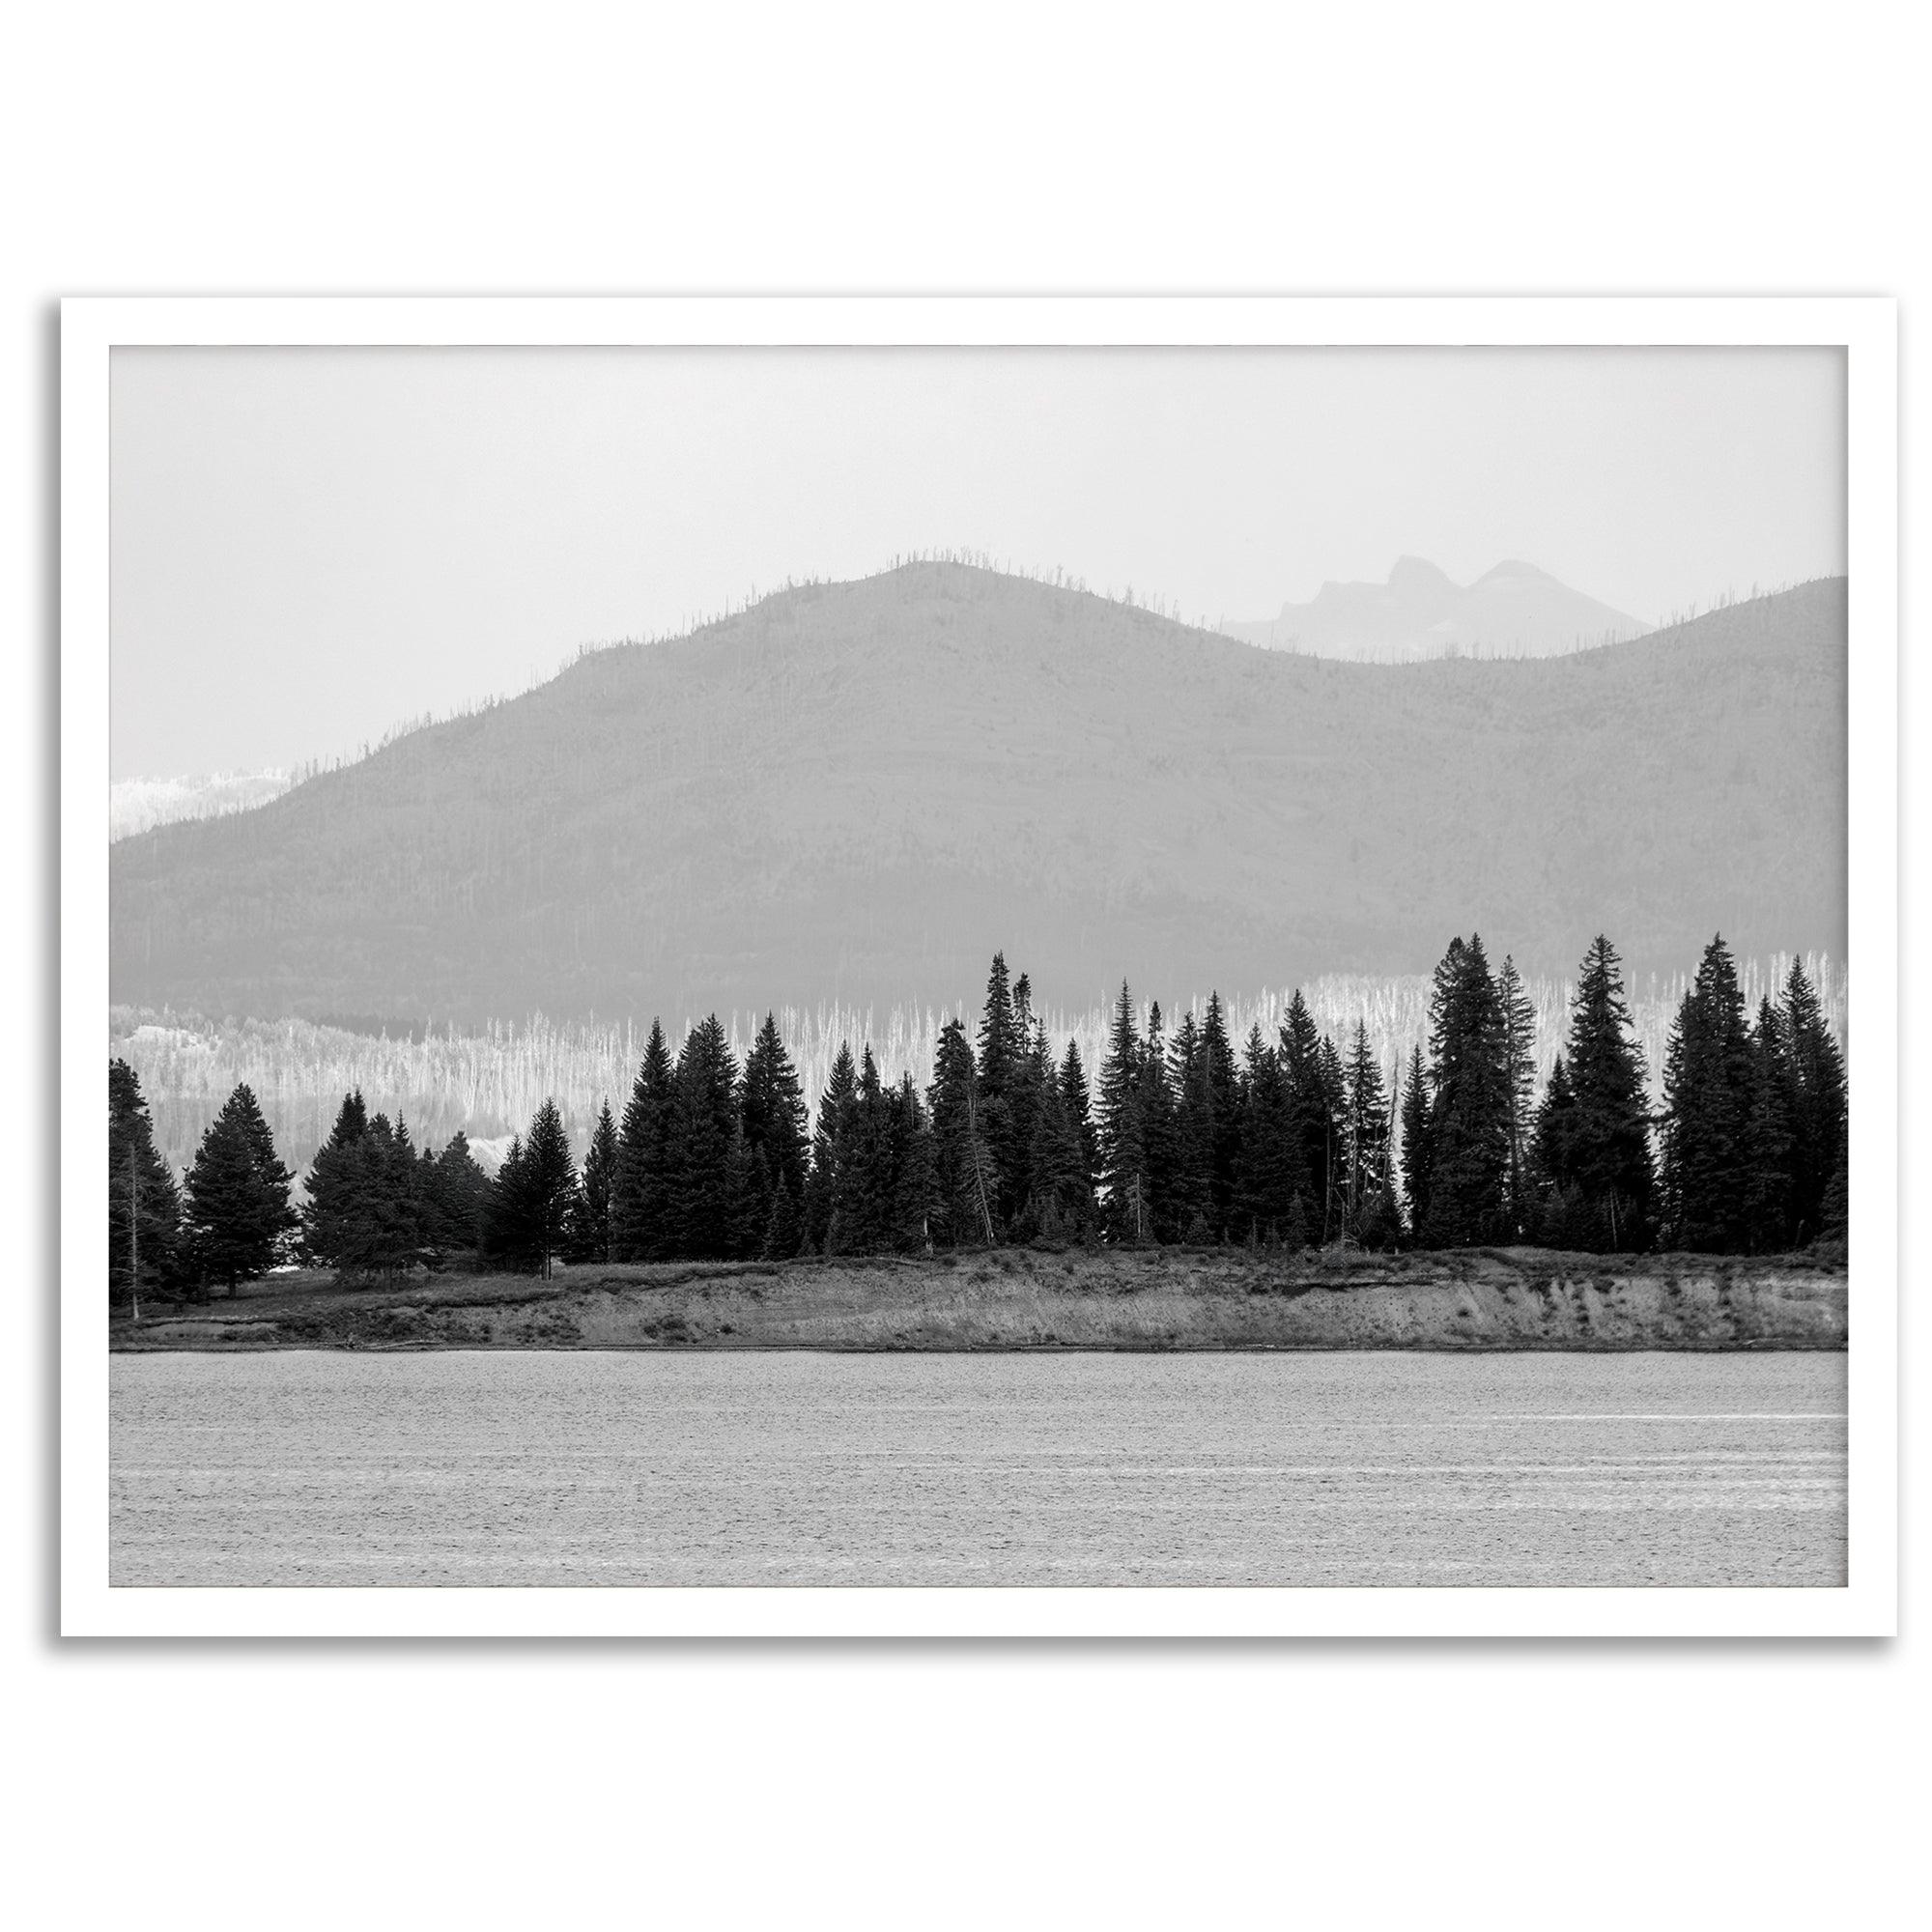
(311, 545)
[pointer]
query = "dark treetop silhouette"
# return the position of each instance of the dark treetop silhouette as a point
(1286, 1143)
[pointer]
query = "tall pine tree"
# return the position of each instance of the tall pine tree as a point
(239, 1215)
(641, 1207)
(705, 1159)
(1819, 1114)
(1470, 1101)
(144, 1209)
(1127, 1211)
(590, 1231)
(1591, 1140)
(1709, 1074)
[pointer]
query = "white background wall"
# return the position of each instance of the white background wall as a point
(1657, 148)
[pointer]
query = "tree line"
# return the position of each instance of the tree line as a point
(1185, 1137)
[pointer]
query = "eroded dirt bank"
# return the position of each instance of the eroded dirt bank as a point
(1165, 1298)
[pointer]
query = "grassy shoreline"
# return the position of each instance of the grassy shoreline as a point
(1029, 1299)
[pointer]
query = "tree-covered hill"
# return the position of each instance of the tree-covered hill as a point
(843, 791)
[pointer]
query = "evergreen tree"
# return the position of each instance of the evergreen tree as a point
(1415, 1141)
(1709, 1074)
(1268, 1174)
(1470, 1103)
(1561, 1219)
(775, 1125)
(378, 1218)
(460, 1192)
(144, 1209)
(550, 1191)
(1818, 1110)
(910, 1172)
(590, 1233)
(1223, 1088)
(1080, 1111)
(1061, 1203)
(509, 1220)
(837, 1109)
(705, 1158)
(1594, 1147)
(1309, 1109)
(863, 1173)
(640, 1218)
(1769, 1138)
(1161, 1129)
(998, 1056)
(784, 1232)
(1188, 1199)
(1127, 1211)
(333, 1182)
(964, 1184)
(1365, 1128)
(1330, 1100)
(239, 1215)
(1518, 1013)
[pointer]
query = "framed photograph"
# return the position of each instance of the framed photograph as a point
(979, 966)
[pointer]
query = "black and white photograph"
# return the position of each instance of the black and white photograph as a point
(1150, 967)
(1006, 927)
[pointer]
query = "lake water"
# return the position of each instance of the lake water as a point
(576, 1468)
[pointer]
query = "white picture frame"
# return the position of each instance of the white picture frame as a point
(1866, 328)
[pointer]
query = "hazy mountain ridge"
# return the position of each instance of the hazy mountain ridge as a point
(139, 805)
(854, 791)
(1514, 611)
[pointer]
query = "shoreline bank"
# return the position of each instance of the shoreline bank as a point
(1000, 1300)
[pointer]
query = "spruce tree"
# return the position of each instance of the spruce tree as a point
(1188, 1199)
(1080, 1111)
(704, 1159)
(590, 1233)
(1161, 1129)
(909, 1205)
(334, 1182)
(964, 1182)
(1709, 1074)
(1771, 1139)
(549, 1186)
(999, 1057)
(1309, 1109)
(862, 1185)
(1561, 1220)
(1518, 1012)
(508, 1220)
(238, 1196)
(837, 1108)
(640, 1218)
(1224, 1108)
(1599, 1133)
(1364, 1131)
(1127, 1209)
(1330, 1098)
(1269, 1175)
(775, 1125)
(1818, 1109)
(1061, 1203)
(1415, 1142)
(460, 1192)
(1470, 1102)
(144, 1208)
(378, 1218)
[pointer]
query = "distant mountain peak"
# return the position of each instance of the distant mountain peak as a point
(1514, 609)
(1417, 573)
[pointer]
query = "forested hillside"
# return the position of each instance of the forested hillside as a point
(839, 794)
